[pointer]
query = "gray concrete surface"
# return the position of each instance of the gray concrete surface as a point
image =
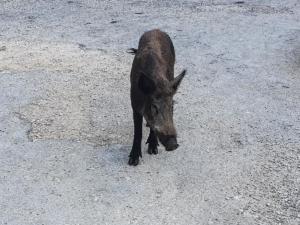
(66, 124)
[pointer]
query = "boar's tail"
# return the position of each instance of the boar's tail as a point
(132, 51)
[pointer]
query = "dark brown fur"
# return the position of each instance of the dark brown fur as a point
(152, 89)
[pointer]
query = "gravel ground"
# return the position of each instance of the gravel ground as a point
(66, 123)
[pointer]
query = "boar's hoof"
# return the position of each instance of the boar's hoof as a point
(133, 161)
(152, 150)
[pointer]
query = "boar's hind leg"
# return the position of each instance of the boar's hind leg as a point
(136, 147)
(152, 143)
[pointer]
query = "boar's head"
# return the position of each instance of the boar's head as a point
(158, 108)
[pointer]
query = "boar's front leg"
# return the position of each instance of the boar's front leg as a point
(152, 143)
(136, 147)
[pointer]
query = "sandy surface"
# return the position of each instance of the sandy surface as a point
(66, 124)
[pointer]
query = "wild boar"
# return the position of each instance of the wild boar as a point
(152, 89)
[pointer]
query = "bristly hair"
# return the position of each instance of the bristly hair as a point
(132, 51)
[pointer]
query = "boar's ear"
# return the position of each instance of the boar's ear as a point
(146, 84)
(176, 82)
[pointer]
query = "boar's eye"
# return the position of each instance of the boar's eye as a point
(154, 109)
(158, 96)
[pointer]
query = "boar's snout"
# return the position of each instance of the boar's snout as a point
(170, 142)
